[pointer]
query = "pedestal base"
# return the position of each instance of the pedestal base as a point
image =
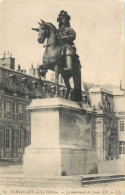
(51, 162)
(61, 140)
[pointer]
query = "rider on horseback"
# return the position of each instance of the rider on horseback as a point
(58, 42)
(66, 36)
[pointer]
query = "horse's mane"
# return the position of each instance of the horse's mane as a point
(52, 27)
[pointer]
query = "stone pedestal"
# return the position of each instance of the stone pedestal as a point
(61, 139)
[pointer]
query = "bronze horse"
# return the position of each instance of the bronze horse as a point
(54, 59)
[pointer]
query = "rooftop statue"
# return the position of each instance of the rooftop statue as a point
(60, 53)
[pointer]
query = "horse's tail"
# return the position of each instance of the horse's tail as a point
(76, 72)
(76, 62)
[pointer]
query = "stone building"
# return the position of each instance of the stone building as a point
(102, 101)
(118, 94)
(15, 120)
(17, 89)
(119, 103)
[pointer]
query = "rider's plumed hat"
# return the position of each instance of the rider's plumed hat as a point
(63, 14)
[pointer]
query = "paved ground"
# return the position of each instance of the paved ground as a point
(13, 169)
(115, 188)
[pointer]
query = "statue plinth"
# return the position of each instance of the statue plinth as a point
(61, 139)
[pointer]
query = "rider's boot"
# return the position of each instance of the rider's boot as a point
(68, 63)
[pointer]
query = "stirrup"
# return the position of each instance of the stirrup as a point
(67, 69)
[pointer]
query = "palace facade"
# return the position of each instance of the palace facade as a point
(17, 89)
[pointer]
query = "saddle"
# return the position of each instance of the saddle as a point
(72, 53)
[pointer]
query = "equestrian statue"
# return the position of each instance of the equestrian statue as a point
(60, 53)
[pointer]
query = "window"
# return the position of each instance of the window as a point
(13, 107)
(8, 106)
(124, 150)
(20, 138)
(4, 105)
(21, 108)
(93, 121)
(7, 138)
(121, 147)
(20, 144)
(16, 107)
(121, 125)
(8, 142)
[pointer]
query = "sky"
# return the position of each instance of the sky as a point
(99, 26)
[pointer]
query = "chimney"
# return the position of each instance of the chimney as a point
(7, 62)
(32, 70)
(121, 85)
(8, 53)
(4, 55)
(36, 72)
(19, 68)
(24, 71)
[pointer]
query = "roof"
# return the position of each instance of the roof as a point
(110, 87)
(87, 86)
(23, 84)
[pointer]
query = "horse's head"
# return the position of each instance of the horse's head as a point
(44, 30)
